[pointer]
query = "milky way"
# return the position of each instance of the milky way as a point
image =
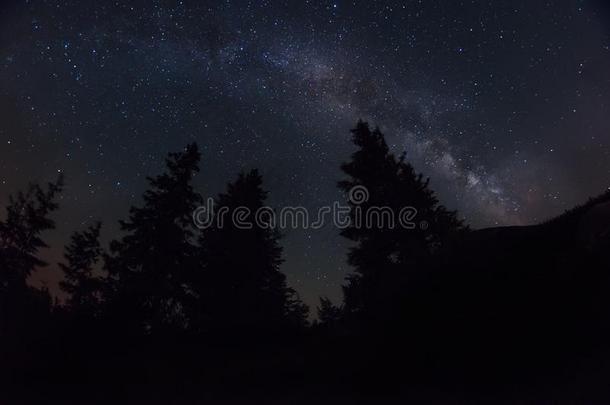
(504, 105)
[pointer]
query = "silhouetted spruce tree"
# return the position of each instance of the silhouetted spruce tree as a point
(83, 287)
(242, 286)
(385, 253)
(148, 266)
(27, 217)
(328, 313)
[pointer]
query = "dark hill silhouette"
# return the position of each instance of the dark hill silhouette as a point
(587, 224)
(519, 301)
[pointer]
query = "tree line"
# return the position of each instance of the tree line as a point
(443, 301)
(163, 273)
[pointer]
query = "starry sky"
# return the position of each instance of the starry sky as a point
(505, 105)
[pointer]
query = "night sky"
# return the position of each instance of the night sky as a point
(505, 105)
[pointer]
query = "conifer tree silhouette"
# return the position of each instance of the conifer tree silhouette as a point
(27, 217)
(83, 287)
(328, 313)
(385, 253)
(242, 285)
(148, 266)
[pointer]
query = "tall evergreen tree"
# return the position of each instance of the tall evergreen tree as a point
(27, 217)
(385, 250)
(83, 287)
(242, 285)
(149, 265)
(328, 313)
